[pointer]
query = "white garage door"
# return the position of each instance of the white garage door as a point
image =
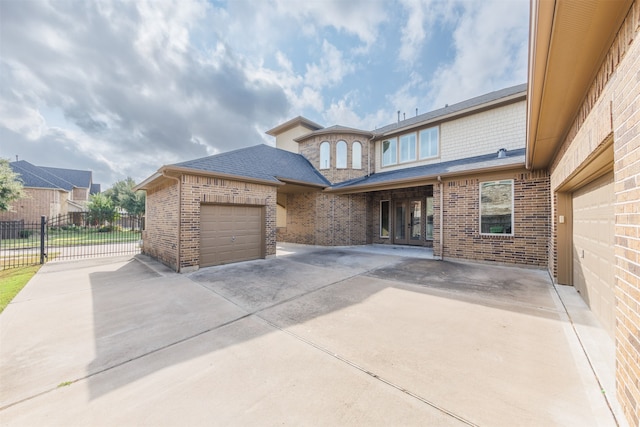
(593, 248)
(230, 234)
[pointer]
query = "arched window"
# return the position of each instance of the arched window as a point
(341, 155)
(356, 155)
(325, 155)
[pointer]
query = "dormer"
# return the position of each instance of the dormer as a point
(287, 132)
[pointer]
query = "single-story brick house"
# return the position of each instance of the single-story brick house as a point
(49, 192)
(453, 179)
(583, 128)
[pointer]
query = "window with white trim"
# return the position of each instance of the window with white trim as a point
(408, 147)
(341, 155)
(429, 143)
(356, 155)
(389, 152)
(496, 207)
(325, 155)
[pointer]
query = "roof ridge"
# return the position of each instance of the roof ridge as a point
(34, 174)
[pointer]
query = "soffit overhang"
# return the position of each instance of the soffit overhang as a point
(568, 40)
(422, 180)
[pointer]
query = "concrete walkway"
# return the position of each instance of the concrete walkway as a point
(313, 337)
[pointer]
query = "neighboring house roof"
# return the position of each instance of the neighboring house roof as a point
(333, 130)
(33, 176)
(260, 162)
(456, 167)
(456, 109)
(37, 177)
(95, 189)
(79, 178)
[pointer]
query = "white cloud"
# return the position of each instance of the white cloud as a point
(490, 52)
(331, 69)
(422, 17)
(357, 17)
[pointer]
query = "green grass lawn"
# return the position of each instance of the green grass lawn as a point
(91, 237)
(74, 238)
(12, 281)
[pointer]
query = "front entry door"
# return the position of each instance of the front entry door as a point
(407, 229)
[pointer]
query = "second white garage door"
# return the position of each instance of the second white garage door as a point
(593, 248)
(230, 233)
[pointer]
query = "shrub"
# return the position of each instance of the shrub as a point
(25, 234)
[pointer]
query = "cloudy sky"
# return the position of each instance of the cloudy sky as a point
(124, 87)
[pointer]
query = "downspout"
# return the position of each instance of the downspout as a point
(441, 218)
(164, 173)
(369, 156)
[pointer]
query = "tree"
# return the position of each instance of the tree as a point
(101, 209)
(123, 196)
(10, 186)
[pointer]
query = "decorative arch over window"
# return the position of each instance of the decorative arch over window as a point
(341, 155)
(356, 155)
(325, 155)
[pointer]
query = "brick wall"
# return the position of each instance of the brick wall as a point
(160, 236)
(310, 149)
(80, 194)
(301, 219)
(199, 189)
(38, 202)
(325, 219)
(462, 238)
(625, 88)
(610, 109)
(477, 134)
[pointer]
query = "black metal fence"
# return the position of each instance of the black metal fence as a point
(72, 236)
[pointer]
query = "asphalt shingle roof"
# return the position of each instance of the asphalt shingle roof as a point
(513, 157)
(469, 103)
(37, 177)
(46, 177)
(79, 178)
(260, 162)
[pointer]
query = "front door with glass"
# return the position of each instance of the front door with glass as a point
(407, 229)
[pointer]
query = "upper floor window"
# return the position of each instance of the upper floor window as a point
(389, 152)
(408, 147)
(429, 143)
(325, 155)
(356, 155)
(341, 154)
(496, 207)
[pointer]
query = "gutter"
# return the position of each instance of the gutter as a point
(419, 180)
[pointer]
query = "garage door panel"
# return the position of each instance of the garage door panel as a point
(230, 233)
(593, 247)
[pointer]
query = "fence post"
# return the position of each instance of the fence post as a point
(43, 221)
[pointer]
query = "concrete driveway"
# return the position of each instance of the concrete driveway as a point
(313, 337)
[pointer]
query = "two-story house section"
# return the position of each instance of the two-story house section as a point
(452, 179)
